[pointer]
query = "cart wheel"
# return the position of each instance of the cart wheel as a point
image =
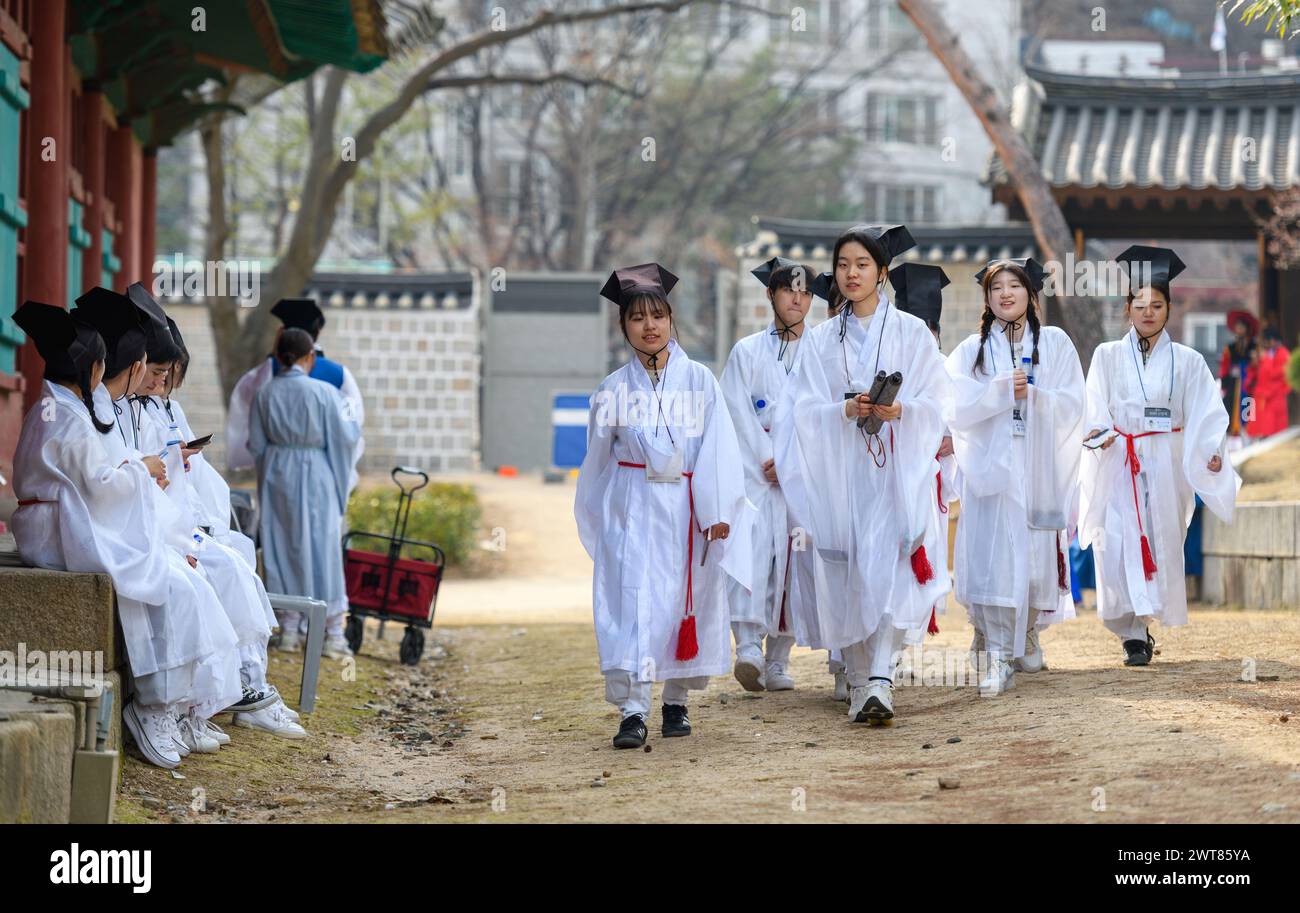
(412, 646)
(355, 632)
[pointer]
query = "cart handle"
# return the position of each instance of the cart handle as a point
(410, 471)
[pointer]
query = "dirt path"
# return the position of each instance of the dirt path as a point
(504, 721)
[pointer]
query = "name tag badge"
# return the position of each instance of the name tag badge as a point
(1017, 423)
(1156, 418)
(672, 472)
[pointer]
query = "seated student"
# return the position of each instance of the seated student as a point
(235, 580)
(303, 442)
(84, 509)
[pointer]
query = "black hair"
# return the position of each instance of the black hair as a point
(1271, 334)
(878, 254)
(784, 277)
(64, 370)
(315, 326)
(1161, 287)
(127, 350)
(293, 345)
(160, 345)
(987, 318)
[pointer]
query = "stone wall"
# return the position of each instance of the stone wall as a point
(1254, 562)
(418, 370)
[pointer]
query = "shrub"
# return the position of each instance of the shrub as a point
(445, 514)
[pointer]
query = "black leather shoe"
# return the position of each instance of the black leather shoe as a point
(675, 721)
(1139, 652)
(631, 732)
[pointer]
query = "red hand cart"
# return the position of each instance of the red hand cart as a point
(388, 586)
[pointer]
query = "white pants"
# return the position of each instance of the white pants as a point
(998, 624)
(205, 686)
(631, 696)
(252, 666)
(1129, 626)
(875, 656)
(750, 634)
(834, 662)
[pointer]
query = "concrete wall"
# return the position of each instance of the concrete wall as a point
(1255, 561)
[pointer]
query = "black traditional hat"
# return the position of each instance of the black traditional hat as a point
(895, 239)
(1150, 265)
(302, 313)
(624, 284)
(1034, 269)
(917, 290)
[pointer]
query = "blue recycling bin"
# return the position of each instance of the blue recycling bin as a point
(569, 430)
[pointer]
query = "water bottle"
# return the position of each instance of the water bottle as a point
(1027, 365)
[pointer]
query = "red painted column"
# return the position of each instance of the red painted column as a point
(49, 148)
(148, 215)
(125, 172)
(92, 129)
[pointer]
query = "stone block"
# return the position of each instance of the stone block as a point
(57, 610)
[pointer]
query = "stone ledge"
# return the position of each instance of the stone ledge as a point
(58, 610)
(1250, 582)
(38, 738)
(1262, 529)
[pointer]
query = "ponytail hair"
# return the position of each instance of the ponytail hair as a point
(293, 345)
(987, 318)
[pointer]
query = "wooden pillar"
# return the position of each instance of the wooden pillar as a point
(148, 216)
(93, 130)
(49, 147)
(124, 178)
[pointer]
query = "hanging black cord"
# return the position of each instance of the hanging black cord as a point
(655, 383)
(784, 334)
(875, 444)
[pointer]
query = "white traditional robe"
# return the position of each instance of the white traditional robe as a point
(1173, 471)
(236, 582)
(239, 411)
(639, 533)
(999, 560)
(866, 520)
(753, 383)
(93, 512)
(213, 495)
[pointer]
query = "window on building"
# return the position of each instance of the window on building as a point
(902, 202)
(888, 28)
(1207, 333)
(903, 118)
(821, 20)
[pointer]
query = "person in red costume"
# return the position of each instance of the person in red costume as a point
(1267, 383)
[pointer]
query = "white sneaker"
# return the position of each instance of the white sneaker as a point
(189, 732)
(273, 720)
(215, 732)
(290, 642)
(872, 703)
(181, 748)
(152, 734)
(750, 668)
(777, 679)
(841, 687)
(290, 713)
(1033, 660)
(336, 647)
(998, 679)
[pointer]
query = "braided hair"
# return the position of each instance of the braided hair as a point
(64, 369)
(987, 318)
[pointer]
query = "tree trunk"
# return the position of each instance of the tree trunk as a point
(1081, 318)
(223, 312)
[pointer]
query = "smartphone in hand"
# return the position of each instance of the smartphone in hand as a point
(199, 443)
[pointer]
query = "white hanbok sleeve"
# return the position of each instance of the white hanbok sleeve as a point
(357, 412)
(341, 434)
(238, 455)
(755, 443)
(1205, 423)
(1097, 468)
(593, 475)
(980, 420)
(718, 486)
(925, 397)
(1057, 399)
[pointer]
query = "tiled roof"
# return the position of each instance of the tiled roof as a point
(934, 243)
(1225, 133)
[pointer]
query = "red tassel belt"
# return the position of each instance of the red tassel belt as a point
(687, 644)
(1134, 467)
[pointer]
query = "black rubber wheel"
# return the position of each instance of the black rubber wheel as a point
(355, 632)
(412, 646)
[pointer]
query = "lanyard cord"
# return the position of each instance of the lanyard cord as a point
(118, 411)
(875, 445)
(1138, 369)
(654, 386)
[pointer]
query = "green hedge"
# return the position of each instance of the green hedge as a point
(445, 514)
